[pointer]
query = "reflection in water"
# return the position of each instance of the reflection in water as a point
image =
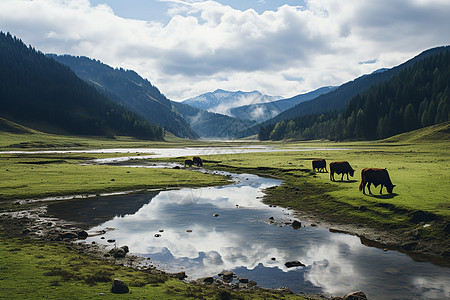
(241, 238)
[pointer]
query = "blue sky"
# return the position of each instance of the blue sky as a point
(278, 47)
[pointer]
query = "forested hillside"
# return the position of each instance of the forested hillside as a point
(41, 92)
(131, 90)
(418, 96)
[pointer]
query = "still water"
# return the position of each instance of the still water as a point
(207, 230)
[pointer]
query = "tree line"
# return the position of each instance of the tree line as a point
(416, 97)
(35, 89)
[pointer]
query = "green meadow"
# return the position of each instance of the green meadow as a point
(418, 164)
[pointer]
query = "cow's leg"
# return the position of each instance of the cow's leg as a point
(381, 189)
(347, 177)
(332, 176)
(368, 187)
(364, 187)
(342, 178)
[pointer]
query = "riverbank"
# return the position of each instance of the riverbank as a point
(414, 219)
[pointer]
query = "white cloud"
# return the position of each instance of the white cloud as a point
(207, 45)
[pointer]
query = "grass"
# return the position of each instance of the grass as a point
(41, 175)
(36, 270)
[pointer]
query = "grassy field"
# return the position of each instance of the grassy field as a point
(418, 163)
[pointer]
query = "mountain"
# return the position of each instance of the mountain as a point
(338, 99)
(263, 111)
(417, 96)
(129, 89)
(221, 101)
(43, 94)
(211, 125)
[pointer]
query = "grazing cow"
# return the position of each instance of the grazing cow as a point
(340, 167)
(319, 164)
(188, 162)
(197, 161)
(375, 176)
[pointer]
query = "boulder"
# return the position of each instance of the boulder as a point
(421, 216)
(67, 236)
(243, 280)
(180, 275)
(207, 280)
(119, 287)
(293, 263)
(358, 295)
(125, 249)
(82, 234)
(296, 224)
(227, 276)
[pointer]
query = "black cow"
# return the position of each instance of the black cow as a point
(340, 167)
(376, 177)
(188, 162)
(197, 161)
(319, 164)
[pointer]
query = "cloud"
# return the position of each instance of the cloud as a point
(207, 45)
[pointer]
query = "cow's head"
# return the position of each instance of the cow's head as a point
(390, 188)
(352, 172)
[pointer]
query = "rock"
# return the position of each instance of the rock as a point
(157, 235)
(363, 208)
(296, 224)
(421, 216)
(189, 230)
(215, 215)
(180, 275)
(113, 179)
(409, 246)
(243, 280)
(273, 258)
(82, 234)
(176, 168)
(271, 218)
(207, 280)
(252, 283)
(293, 263)
(355, 296)
(67, 236)
(111, 241)
(313, 225)
(119, 287)
(227, 276)
(125, 249)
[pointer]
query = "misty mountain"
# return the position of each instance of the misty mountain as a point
(263, 111)
(130, 90)
(338, 99)
(221, 101)
(43, 94)
(211, 125)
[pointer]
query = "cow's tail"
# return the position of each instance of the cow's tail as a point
(362, 180)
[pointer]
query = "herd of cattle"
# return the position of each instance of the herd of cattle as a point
(368, 175)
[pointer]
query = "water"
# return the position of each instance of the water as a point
(243, 239)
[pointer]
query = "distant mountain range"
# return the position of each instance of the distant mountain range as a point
(211, 125)
(130, 90)
(263, 111)
(43, 94)
(221, 101)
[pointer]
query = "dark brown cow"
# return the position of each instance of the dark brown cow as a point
(375, 176)
(188, 162)
(197, 161)
(319, 164)
(340, 167)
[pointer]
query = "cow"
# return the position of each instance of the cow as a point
(188, 162)
(319, 164)
(376, 177)
(197, 161)
(340, 167)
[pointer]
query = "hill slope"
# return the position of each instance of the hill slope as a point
(339, 98)
(37, 90)
(130, 90)
(418, 96)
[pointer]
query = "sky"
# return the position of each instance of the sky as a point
(278, 47)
